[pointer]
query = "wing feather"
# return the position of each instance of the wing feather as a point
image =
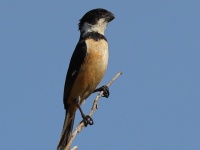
(76, 61)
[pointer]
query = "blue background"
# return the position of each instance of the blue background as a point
(154, 105)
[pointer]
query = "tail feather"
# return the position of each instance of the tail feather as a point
(67, 130)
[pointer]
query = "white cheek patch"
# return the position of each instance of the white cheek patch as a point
(99, 27)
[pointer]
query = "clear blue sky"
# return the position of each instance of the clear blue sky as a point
(154, 105)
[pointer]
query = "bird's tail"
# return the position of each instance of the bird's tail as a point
(67, 130)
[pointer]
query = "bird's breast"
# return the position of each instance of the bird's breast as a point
(92, 69)
(95, 64)
(97, 54)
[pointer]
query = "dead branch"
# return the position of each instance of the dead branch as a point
(93, 109)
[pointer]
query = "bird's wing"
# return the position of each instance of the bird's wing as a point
(76, 61)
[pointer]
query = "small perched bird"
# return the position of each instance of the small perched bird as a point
(86, 69)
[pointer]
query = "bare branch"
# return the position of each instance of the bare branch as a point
(93, 109)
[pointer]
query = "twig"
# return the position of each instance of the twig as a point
(93, 109)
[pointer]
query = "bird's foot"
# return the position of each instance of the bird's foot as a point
(105, 90)
(87, 120)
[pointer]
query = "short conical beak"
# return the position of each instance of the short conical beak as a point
(109, 17)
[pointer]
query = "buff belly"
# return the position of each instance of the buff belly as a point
(92, 70)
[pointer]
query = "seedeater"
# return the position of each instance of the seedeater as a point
(86, 69)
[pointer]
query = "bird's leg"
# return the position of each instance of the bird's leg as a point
(86, 118)
(105, 90)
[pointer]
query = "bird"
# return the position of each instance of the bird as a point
(86, 69)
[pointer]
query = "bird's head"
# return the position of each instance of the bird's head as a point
(95, 20)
